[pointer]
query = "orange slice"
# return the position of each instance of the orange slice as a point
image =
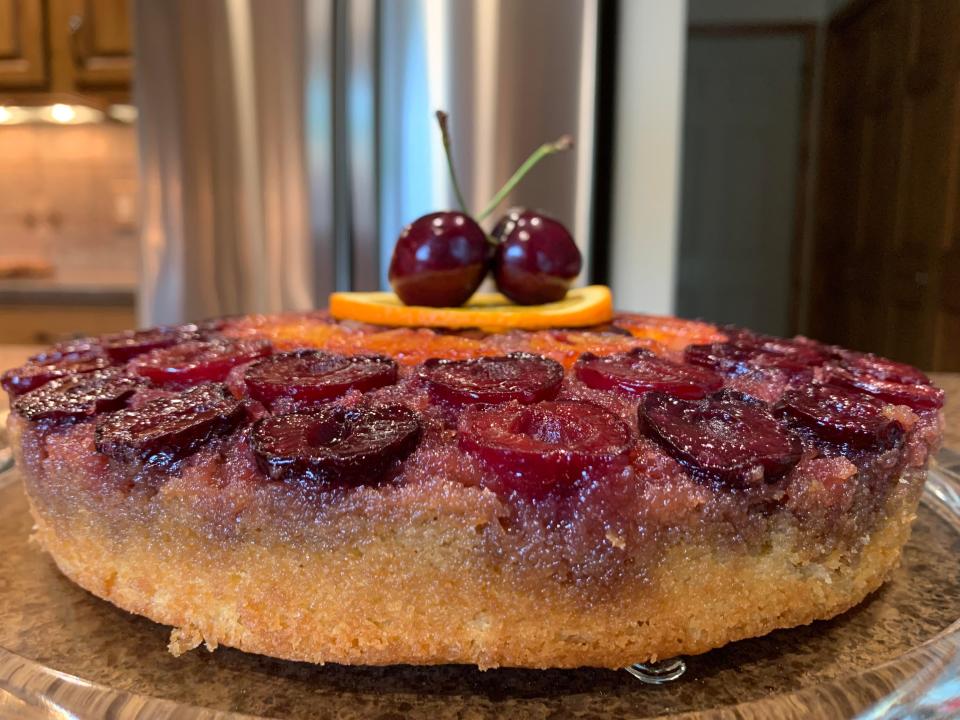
(581, 307)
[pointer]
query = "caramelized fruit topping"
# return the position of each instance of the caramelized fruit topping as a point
(537, 448)
(746, 352)
(335, 445)
(490, 380)
(640, 371)
(121, 347)
(78, 396)
(916, 397)
(168, 428)
(839, 415)
(309, 377)
(197, 361)
(41, 371)
(866, 364)
(732, 439)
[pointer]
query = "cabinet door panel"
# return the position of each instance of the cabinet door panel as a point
(22, 49)
(890, 182)
(92, 42)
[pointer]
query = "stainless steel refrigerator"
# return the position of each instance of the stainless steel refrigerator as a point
(285, 143)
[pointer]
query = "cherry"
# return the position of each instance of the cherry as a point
(778, 351)
(123, 346)
(536, 259)
(439, 260)
(197, 361)
(839, 415)
(68, 350)
(735, 440)
(170, 427)
(77, 396)
(518, 376)
(51, 366)
(916, 397)
(335, 445)
(738, 356)
(538, 448)
(310, 377)
(640, 371)
(874, 366)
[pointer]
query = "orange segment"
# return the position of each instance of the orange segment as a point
(673, 333)
(566, 347)
(411, 347)
(581, 307)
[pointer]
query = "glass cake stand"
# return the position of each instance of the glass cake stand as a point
(66, 654)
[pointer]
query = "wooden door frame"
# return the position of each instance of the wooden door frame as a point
(801, 240)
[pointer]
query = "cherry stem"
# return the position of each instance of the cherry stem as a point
(445, 134)
(559, 145)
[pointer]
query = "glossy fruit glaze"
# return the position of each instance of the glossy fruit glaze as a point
(536, 259)
(594, 436)
(439, 260)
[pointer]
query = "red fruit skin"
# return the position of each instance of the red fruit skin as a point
(36, 373)
(121, 347)
(640, 371)
(879, 368)
(196, 361)
(519, 377)
(735, 358)
(536, 259)
(439, 260)
(310, 378)
(916, 397)
(538, 449)
(75, 397)
(170, 427)
(336, 445)
(730, 439)
(839, 415)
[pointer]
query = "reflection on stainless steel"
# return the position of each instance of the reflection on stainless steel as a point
(224, 217)
(284, 145)
(512, 76)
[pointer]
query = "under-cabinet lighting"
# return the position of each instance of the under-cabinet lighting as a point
(123, 113)
(63, 114)
(14, 115)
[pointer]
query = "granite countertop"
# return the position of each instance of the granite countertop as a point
(12, 355)
(87, 287)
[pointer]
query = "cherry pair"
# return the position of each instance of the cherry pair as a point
(440, 259)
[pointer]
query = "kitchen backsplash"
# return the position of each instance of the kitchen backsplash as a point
(69, 195)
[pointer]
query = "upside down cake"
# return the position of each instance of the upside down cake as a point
(333, 491)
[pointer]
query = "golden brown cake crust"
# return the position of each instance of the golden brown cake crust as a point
(438, 568)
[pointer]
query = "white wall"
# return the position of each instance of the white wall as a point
(649, 113)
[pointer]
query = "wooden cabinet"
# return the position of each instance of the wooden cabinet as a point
(887, 246)
(50, 49)
(23, 51)
(91, 43)
(43, 324)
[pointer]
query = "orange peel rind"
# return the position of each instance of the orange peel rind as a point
(582, 307)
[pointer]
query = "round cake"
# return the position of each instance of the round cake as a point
(329, 490)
